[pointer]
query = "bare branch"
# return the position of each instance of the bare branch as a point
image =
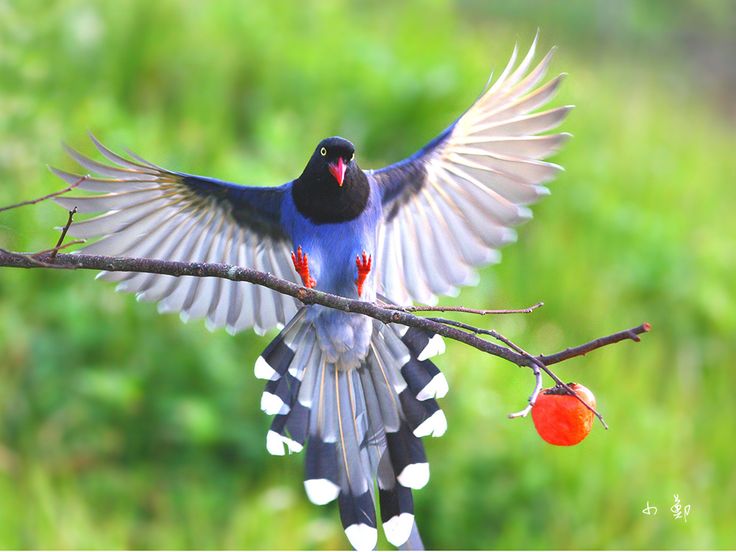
(63, 233)
(241, 274)
(571, 352)
(18, 259)
(305, 295)
(44, 198)
(56, 248)
(539, 364)
(538, 385)
(536, 362)
(585, 348)
(428, 308)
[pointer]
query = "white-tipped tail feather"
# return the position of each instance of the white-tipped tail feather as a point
(263, 370)
(362, 536)
(278, 444)
(272, 404)
(414, 476)
(398, 528)
(435, 425)
(321, 491)
(435, 346)
(435, 389)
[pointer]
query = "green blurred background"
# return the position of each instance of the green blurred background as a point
(120, 428)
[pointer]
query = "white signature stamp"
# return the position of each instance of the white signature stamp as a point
(679, 510)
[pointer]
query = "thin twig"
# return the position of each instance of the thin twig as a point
(56, 248)
(571, 352)
(427, 308)
(585, 348)
(538, 385)
(550, 373)
(536, 365)
(63, 232)
(44, 198)
(537, 361)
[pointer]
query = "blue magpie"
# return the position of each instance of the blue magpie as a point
(358, 394)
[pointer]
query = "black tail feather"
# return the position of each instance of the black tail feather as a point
(275, 360)
(408, 458)
(358, 516)
(322, 476)
(397, 504)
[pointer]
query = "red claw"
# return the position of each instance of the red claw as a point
(364, 268)
(301, 265)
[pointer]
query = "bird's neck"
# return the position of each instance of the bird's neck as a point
(319, 198)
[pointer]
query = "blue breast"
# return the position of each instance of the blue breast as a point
(332, 248)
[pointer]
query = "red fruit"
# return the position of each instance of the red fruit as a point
(560, 418)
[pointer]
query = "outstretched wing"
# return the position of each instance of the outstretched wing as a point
(452, 205)
(151, 212)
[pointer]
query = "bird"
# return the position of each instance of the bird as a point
(357, 396)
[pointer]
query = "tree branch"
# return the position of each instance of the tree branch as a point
(450, 329)
(44, 198)
(242, 274)
(482, 312)
(64, 230)
(581, 350)
(537, 363)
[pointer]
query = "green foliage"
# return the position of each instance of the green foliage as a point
(120, 428)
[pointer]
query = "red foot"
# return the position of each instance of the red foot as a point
(301, 264)
(364, 268)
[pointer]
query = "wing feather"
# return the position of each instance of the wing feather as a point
(144, 210)
(453, 204)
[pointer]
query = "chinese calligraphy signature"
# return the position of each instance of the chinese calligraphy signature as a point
(679, 510)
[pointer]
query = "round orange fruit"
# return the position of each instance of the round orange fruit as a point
(560, 418)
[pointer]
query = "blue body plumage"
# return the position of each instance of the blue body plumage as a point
(332, 247)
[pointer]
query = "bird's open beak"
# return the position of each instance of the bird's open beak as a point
(337, 170)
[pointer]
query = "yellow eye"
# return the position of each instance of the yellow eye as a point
(323, 151)
(352, 156)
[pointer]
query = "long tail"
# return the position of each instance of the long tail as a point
(360, 426)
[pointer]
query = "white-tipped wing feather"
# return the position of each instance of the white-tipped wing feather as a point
(150, 212)
(452, 205)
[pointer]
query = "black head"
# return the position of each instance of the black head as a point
(332, 187)
(331, 157)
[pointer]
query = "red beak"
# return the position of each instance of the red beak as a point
(337, 170)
